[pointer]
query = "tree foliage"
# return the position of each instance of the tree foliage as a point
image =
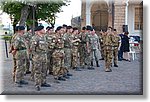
(44, 10)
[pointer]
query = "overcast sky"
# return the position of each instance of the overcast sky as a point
(74, 9)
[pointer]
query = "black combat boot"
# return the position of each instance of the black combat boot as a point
(23, 82)
(97, 64)
(91, 63)
(37, 88)
(45, 85)
(61, 79)
(115, 65)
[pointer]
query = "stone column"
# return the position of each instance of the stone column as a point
(88, 13)
(119, 17)
(110, 14)
(83, 11)
(126, 12)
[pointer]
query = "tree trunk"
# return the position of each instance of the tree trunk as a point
(24, 15)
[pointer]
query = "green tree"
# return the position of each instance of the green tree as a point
(22, 10)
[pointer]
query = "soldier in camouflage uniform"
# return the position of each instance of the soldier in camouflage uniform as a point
(88, 61)
(28, 36)
(58, 55)
(10, 51)
(101, 37)
(64, 28)
(95, 48)
(75, 46)
(116, 45)
(49, 38)
(20, 54)
(39, 49)
(108, 41)
(82, 47)
(67, 47)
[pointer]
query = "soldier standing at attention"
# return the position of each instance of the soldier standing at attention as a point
(67, 47)
(82, 47)
(116, 46)
(58, 55)
(49, 38)
(39, 50)
(101, 37)
(88, 48)
(20, 55)
(28, 36)
(108, 41)
(95, 48)
(10, 51)
(75, 46)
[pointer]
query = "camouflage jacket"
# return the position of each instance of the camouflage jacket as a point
(39, 48)
(116, 41)
(50, 41)
(67, 40)
(20, 45)
(94, 41)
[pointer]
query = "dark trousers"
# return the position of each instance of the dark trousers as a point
(120, 55)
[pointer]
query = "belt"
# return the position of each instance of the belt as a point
(21, 49)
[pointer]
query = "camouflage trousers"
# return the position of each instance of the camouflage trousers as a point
(102, 52)
(40, 69)
(58, 63)
(32, 70)
(74, 62)
(14, 68)
(115, 55)
(108, 58)
(67, 59)
(50, 61)
(20, 69)
(88, 59)
(27, 65)
(95, 55)
(82, 56)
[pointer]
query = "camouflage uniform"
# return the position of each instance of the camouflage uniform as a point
(88, 54)
(20, 56)
(75, 46)
(39, 51)
(58, 57)
(49, 39)
(67, 50)
(101, 37)
(14, 60)
(28, 37)
(82, 49)
(94, 43)
(115, 49)
(108, 41)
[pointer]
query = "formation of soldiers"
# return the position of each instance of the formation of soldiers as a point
(57, 52)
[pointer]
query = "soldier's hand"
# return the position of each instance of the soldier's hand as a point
(14, 52)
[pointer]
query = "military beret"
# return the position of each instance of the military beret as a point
(83, 28)
(38, 28)
(21, 28)
(58, 28)
(69, 27)
(115, 30)
(48, 28)
(89, 28)
(64, 25)
(75, 28)
(16, 28)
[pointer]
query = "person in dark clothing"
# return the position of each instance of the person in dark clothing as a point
(120, 52)
(125, 46)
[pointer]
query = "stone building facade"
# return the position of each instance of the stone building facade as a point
(116, 13)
